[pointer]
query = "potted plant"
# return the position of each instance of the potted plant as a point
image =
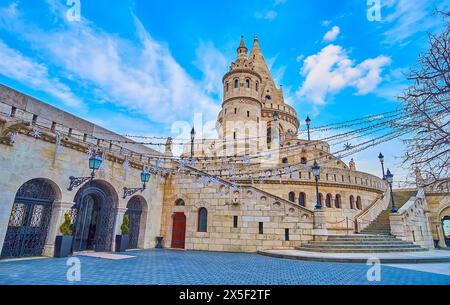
(123, 240)
(63, 243)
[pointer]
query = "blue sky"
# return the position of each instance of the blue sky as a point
(138, 66)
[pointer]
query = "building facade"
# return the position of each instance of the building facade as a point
(250, 189)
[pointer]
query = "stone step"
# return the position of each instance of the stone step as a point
(375, 250)
(388, 238)
(343, 246)
(380, 242)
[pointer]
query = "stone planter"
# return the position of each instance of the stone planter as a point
(159, 240)
(63, 246)
(122, 242)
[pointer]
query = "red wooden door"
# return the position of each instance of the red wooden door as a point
(178, 230)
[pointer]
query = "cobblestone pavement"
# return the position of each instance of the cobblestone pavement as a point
(191, 267)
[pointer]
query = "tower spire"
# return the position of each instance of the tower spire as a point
(242, 50)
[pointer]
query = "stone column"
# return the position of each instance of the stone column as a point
(6, 203)
(57, 218)
(320, 232)
(119, 220)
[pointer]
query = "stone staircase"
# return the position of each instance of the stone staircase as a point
(361, 243)
(381, 224)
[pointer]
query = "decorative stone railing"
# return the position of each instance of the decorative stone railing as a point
(366, 217)
(246, 188)
(411, 222)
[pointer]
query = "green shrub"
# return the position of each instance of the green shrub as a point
(125, 225)
(66, 227)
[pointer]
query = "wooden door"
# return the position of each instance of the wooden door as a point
(178, 230)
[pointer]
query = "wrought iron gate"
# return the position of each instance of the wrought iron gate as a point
(29, 220)
(134, 212)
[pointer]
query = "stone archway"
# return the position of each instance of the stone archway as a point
(30, 219)
(136, 211)
(444, 218)
(95, 213)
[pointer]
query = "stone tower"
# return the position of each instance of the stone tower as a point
(254, 116)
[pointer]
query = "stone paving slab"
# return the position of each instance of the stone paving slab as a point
(438, 268)
(166, 267)
(432, 256)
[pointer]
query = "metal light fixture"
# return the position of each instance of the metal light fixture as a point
(95, 161)
(145, 177)
(316, 173)
(308, 124)
(192, 141)
(381, 158)
(390, 180)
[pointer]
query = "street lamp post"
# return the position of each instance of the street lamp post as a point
(308, 123)
(94, 164)
(192, 141)
(145, 177)
(390, 179)
(381, 158)
(316, 172)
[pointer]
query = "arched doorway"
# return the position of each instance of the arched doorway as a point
(178, 230)
(134, 212)
(95, 205)
(29, 219)
(445, 221)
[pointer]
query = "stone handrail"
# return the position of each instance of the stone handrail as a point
(411, 223)
(250, 187)
(364, 218)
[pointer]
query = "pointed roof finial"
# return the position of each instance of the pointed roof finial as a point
(242, 44)
(242, 50)
(256, 38)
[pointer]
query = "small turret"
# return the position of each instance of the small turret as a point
(242, 50)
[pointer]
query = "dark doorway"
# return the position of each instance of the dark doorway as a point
(179, 230)
(134, 212)
(94, 214)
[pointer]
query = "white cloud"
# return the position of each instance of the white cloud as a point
(331, 70)
(325, 22)
(213, 64)
(270, 15)
(332, 34)
(141, 76)
(406, 18)
(300, 58)
(15, 65)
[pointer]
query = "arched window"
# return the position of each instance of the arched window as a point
(202, 220)
(228, 86)
(285, 161)
(328, 201)
(358, 203)
(337, 201)
(179, 202)
(256, 86)
(352, 202)
(236, 83)
(302, 199)
(247, 83)
(269, 135)
(292, 196)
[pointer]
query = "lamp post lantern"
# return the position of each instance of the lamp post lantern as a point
(390, 179)
(308, 124)
(145, 177)
(316, 172)
(381, 158)
(192, 141)
(95, 161)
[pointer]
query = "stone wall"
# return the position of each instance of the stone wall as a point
(28, 158)
(249, 204)
(411, 222)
